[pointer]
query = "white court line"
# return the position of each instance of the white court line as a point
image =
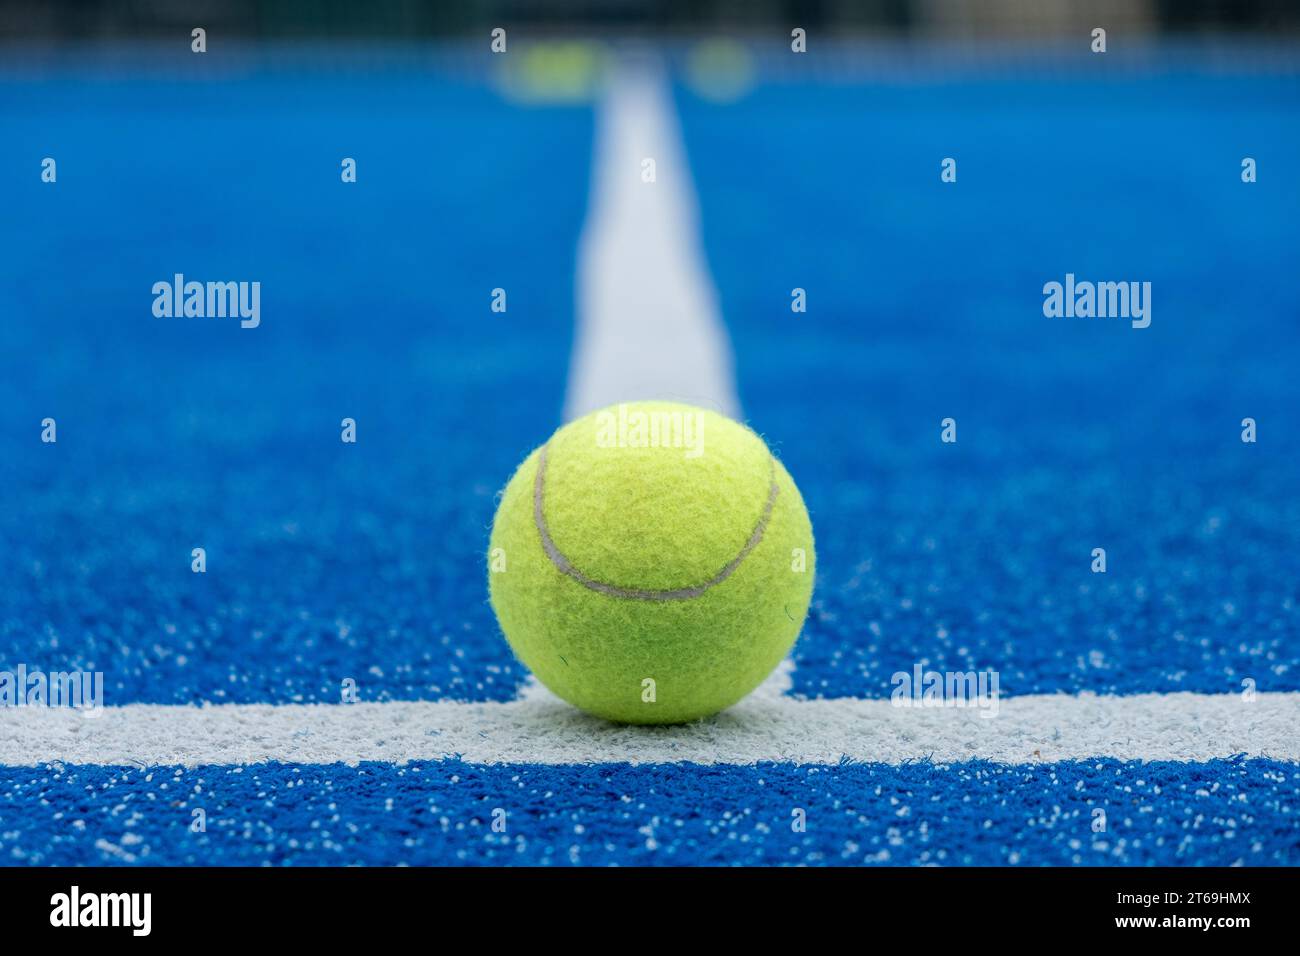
(538, 729)
(649, 324)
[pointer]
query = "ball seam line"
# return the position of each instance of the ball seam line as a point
(565, 566)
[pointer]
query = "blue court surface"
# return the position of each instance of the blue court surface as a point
(330, 562)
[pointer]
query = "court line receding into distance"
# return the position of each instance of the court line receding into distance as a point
(649, 324)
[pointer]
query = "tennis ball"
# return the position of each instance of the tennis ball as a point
(651, 563)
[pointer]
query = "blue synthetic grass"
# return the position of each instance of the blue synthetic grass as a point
(328, 561)
(1222, 813)
(925, 302)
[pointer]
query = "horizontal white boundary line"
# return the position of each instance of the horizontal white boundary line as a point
(539, 729)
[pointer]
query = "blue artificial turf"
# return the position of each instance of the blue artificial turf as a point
(925, 301)
(325, 561)
(328, 562)
(1225, 812)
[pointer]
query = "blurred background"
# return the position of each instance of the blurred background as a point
(408, 18)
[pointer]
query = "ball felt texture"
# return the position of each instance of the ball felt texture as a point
(651, 563)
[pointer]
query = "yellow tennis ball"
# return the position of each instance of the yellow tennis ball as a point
(651, 563)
